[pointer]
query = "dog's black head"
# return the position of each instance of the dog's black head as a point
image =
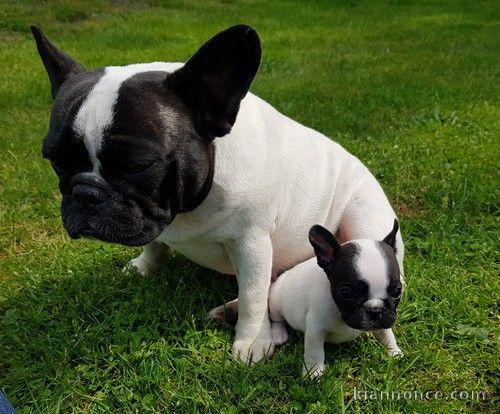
(364, 277)
(133, 146)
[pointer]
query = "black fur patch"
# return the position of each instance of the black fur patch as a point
(394, 287)
(66, 105)
(59, 65)
(350, 290)
(153, 165)
(217, 77)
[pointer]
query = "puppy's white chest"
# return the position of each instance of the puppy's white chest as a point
(342, 333)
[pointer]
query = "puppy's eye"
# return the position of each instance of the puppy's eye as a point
(346, 293)
(396, 293)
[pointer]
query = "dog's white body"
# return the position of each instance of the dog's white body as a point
(274, 178)
(301, 297)
(279, 177)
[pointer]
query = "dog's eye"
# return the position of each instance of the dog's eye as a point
(346, 293)
(138, 168)
(396, 293)
(119, 166)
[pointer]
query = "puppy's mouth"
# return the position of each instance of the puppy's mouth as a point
(363, 323)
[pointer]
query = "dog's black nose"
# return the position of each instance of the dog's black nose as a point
(89, 188)
(88, 195)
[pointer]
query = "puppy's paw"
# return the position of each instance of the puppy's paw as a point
(139, 265)
(250, 352)
(396, 353)
(280, 333)
(314, 372)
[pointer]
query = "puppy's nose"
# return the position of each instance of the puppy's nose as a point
(374, 312)
(374, 307)
(89, 188)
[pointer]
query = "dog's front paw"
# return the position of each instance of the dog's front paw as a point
(252, 350)
(313, 372)
(139, 265)
(396, 353)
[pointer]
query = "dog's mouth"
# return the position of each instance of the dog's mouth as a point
(112, 222)
(86, 233)
(111, 233)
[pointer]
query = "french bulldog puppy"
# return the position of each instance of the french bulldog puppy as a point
(356, 288)
(181, 155)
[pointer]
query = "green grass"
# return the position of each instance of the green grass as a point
(411, 87)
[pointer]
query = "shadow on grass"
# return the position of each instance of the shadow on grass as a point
(58, 323)
(83, 333)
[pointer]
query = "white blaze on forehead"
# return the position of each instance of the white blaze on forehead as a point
(96, 113)
(372, 267)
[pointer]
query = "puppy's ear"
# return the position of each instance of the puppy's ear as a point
(324, 243)
(218, 76)
(390, 239)
(59, 65)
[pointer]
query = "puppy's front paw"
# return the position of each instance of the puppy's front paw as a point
(314, 372)
(139, 265)
(252, 350)
(396, 353)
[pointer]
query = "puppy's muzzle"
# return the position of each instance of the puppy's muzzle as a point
(89, 188)
(374, 308)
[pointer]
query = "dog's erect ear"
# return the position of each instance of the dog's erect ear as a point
(57, 63)
(217, 77)
(325, 245)
(390, 239)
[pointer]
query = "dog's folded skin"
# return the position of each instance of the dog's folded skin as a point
(139, 162)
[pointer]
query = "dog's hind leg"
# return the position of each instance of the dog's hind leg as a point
(227, 313)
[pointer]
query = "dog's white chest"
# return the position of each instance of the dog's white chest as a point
(212, 255)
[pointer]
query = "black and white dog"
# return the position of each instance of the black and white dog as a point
(349, 288)
(138, 162)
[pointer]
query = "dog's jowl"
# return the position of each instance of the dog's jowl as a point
(181, 155)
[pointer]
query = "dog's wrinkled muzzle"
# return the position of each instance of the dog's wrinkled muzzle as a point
(89, 188)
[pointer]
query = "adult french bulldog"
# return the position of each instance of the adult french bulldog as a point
(353, 287)
(138, 162)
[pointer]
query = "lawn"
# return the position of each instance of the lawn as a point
(410, 87)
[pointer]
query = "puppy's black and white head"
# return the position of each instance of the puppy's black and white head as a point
(364, 277)
(133, 145)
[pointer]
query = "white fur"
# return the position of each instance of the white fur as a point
(96, 112)
(301, 297)
(274, 178)
(373, 265)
